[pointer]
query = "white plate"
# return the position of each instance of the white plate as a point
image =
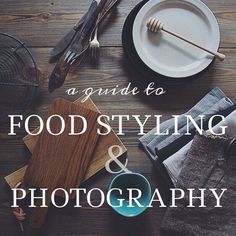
(168, 55)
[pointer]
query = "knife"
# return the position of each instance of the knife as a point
(61, 69)
(78, 43)
(63, 44)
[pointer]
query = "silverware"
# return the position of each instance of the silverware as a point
(64, 43)
(61, 69)
(77, 47)
(94, 46)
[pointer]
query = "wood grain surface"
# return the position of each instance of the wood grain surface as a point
(61, 161)
(100, 154)
(40, 24)
(64, 157)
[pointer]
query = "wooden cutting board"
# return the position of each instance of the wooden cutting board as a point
(100, 155)
(61, 161)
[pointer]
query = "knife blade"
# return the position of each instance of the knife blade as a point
(60, 71)
(63, 44)
(77, 45)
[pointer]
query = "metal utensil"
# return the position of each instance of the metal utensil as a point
(94, 46)
(61, 69)
(77, 47)
(64, 43)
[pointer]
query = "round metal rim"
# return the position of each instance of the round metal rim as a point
(36, 84)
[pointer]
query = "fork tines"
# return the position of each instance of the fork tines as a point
(70, 57)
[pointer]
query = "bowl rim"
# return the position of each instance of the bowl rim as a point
(148, 192)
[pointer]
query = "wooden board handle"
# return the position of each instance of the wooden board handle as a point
(38, 217)
(39, 214)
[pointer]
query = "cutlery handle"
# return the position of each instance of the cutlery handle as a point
(90, 19)
(80, 23)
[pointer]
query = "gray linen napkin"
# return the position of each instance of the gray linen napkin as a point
(174, 163)
(157, 145)
(203, 170)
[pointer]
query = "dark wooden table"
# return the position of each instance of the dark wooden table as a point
(41, 24)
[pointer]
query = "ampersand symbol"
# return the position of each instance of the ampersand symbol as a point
(114, 157)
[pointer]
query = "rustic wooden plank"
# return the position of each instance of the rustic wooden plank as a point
(99, 158)
(109, 73)
(43, 23)
(18, 175)
(61, 161)
(114, 69)
(47, 147)
(108, 222)
(60, 6)
(80, 215)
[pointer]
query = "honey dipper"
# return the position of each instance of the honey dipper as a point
(155, 25)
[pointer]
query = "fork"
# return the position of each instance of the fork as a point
(94, 46)
(76, 48)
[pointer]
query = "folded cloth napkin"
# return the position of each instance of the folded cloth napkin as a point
(157, 145)
(174, 163)
(162, 146)
(204, 168)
